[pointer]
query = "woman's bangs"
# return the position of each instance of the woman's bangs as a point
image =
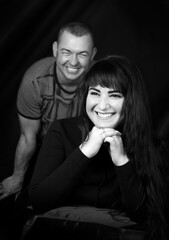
(107, 81)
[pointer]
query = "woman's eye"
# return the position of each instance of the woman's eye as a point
(116, 95)
(94, 93)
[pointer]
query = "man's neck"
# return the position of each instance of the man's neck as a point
(66, 84)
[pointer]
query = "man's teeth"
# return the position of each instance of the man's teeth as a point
(72, 70)
(104, 115)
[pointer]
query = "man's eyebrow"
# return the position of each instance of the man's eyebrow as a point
(67, 50)
(85, 51)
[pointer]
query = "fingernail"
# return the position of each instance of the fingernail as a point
(118, 134)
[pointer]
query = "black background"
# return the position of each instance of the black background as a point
(136, 29)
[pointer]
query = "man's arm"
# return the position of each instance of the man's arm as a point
(25, 149)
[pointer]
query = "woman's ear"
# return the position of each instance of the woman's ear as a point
(54, 48)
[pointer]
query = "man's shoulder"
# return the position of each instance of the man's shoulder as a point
(39, 68)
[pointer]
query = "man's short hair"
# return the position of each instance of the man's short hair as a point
(78, 29)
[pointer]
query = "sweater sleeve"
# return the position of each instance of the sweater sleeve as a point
(133, 192)
(55, 175)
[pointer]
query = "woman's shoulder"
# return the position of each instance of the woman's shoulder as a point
(68, 129)
(70, 123)
(71, 120)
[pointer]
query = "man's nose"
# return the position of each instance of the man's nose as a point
(73, 60)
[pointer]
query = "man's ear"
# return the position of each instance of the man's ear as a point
(54, 48)
(94, 52)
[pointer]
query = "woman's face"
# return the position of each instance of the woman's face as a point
(103, 106)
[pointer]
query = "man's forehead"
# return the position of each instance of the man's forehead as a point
(69, 38)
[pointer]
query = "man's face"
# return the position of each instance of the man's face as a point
(73, 57)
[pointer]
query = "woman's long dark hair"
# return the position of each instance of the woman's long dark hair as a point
(119, 73)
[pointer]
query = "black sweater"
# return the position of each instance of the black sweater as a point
(63, 175)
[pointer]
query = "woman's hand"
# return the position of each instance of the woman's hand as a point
(92, 144)
(95, 139)
(116, 149)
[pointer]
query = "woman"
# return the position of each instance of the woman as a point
(106, 157)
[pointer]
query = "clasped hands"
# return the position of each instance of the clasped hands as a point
(97, 136)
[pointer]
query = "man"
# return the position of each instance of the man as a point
(49, 90)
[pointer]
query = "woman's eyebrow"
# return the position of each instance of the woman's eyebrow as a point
(95, 89)
(113, 91)
(110, 91)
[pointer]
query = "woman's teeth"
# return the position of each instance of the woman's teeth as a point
(104, 115)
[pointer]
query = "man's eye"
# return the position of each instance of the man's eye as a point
(83, 55)
(65, 53)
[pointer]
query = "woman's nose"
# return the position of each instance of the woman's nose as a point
(104, 103)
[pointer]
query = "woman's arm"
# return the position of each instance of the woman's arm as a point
(133, 192)
(55, 174)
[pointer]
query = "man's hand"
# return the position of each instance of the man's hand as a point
(10, 185)
(24, 151)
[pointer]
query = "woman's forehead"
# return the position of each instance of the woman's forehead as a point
(101, 88)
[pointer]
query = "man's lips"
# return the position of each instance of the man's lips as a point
(72, 70)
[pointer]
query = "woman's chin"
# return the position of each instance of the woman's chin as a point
(105, 125)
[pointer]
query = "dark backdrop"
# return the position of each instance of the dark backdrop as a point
(138, 29)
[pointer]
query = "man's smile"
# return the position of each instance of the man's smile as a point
(72, 69)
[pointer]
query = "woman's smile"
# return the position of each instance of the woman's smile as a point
(103, 106)
(104, 115)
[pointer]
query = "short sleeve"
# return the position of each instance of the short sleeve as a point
(28, 99)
